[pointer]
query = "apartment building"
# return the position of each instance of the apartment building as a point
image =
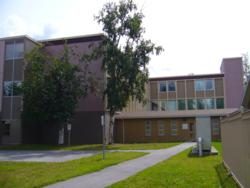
(86, 125)
(177, 104)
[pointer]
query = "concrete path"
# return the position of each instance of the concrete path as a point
(44, 156)
(121, 171)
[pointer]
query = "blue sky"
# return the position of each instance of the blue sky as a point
(196, 34)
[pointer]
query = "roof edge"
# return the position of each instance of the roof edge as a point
(215, 75)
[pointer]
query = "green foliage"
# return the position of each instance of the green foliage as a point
(246, 68)
(51, 88)
(125, 53)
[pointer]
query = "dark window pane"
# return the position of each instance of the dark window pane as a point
(171, 86)
(199, 85)
(163, 87)
(210, 103)
(200, 104)
(9, 51)
(10, 87)
(19, 50)
(191, 104)
(154, 105)
(181, 105)
(14, 50)
(220, 103)
(209, 84)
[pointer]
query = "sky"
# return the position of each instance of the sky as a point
(195, 34)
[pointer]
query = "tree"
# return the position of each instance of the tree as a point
(51, 87)
(126, 55)
(246, 68)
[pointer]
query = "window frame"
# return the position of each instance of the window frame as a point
(223, 101)
(178, 104)
(164, 84)
(148, 128)
(173, 128)
(212, 81)
(161, 128)
(194, 104)
(168, 85)
(14, 52)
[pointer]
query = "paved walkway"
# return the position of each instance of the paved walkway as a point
(44, 156)
(121, 171)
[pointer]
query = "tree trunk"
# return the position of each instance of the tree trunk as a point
(111, 128)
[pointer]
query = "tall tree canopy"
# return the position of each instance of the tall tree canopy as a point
(126, 55)
(246, 68)
(52, 87)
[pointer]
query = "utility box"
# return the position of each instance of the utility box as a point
(203, 130)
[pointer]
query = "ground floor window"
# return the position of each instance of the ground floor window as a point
(148, 128)
(161, 128)
(216, 127)
(174, 128)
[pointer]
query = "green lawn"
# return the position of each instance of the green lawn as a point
(141, 146)
(33, 174)
(183, 171)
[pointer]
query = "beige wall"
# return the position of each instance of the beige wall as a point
(135, 106)
(235, 132)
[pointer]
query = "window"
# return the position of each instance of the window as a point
(199, 85)
(209, 103)
(6, 129)
(163, 86)
(201, 104)
(220, 103)
(148, 128)
(163, 106)
(154, 105)
(202, 85)
(209, 84)
(181, 105)
(185, 126)
(161, 128)
(171, 85)
(174, 128)
(14, 50)
(216, 127)
(19, 50)
(10, 87)
(191, 104)
(171, 105)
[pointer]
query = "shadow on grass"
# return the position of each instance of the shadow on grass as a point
(196, 155)
(226, 179)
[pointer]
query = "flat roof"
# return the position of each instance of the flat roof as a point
(174, 114)
(19, 37)
(73, 39)
(183, 77)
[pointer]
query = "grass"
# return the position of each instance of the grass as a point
(183, 171)
(33, 174)
(140, 146)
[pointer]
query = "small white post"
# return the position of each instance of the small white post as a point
(200, 146)
(103, 135)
